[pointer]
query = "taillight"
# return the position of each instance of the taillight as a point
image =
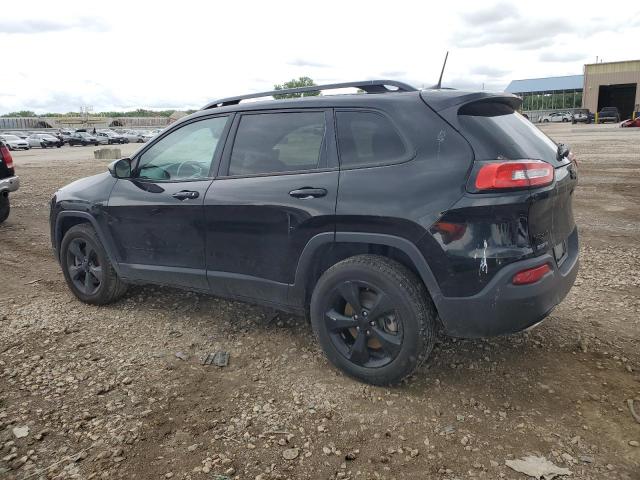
(531, 275)
(514, 174)
(5, 154)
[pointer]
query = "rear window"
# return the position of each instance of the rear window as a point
(277, 142)
(497, 132)
(367, 138)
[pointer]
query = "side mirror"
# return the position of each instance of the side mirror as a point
(120, 168)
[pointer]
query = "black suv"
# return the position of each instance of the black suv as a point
(380, 215)
(82, 138)
(609, 114)
(9, 182)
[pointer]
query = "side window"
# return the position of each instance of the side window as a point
(184, 154)
(367, 138)
(277, 142)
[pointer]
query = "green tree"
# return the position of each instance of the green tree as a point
(295, 83)
(21, 113)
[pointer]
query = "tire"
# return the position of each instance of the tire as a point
(546, 120)
(87, 269)
(564, 120)
(393, 333)
(5, 207)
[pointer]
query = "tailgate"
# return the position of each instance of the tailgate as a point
(551, 213)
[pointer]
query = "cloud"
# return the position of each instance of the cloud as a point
(488, 71)
(17, 26)
(466, 83)
(300, 62)
(554, 56)
(490, 15)
(393, 74)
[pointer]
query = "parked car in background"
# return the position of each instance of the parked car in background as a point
(111, 136)
(133, 136)
(609, 114)
(631, 123)
(44, 140)
(103, 138)
(9, 182)
(83, 138)
(14, 142)
(582, 115)
(65, 135)
(343, 208)
(557, 117)
(19, 134)
(146, 136)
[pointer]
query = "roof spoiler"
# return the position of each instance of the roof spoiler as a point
(442, 99)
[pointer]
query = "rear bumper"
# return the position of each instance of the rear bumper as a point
(9, 184)
(503, 308)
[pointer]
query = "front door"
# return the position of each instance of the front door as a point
(156, 217)
(276, 189)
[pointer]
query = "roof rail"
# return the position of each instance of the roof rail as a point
(369, 86)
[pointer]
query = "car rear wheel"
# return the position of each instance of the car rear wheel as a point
(373, 318)
(87, 269)
(5, 208)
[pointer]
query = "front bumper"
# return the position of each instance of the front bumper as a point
(503, 308)
(9, 184)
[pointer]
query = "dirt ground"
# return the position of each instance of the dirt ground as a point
(104, 394)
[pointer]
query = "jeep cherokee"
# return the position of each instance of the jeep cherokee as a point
(381, 216)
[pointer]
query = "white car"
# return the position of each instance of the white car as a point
(133, 136)
(557, 117)
(14, 142)
(43, 140)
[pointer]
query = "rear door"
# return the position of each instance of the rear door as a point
(275, 190)
(156, 217)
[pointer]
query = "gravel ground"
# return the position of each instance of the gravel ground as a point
(120, 392)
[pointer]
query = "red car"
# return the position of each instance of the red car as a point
(631, 123)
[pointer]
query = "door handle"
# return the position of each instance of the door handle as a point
(308, 192)
(186, 195)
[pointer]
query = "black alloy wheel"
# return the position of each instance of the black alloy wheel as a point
(373, 318)
(364, 324)
(84, 267)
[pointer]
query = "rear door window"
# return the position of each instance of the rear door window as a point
(497, 132)
(367, 139)
(272, 143)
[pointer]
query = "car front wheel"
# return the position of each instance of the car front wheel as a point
(373, 318)
(87, 269)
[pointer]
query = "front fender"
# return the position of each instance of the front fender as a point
(83, 217)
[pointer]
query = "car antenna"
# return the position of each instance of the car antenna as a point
(439, 84)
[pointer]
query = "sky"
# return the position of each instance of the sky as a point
(182, 54)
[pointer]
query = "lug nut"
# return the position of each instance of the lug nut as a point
(365, 313)
(372, 323)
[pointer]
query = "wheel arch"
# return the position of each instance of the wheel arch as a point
(327, 249)
(69, 218)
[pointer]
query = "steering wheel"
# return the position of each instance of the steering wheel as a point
(196, 169)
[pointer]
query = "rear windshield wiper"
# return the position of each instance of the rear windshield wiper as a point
(563, 151)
